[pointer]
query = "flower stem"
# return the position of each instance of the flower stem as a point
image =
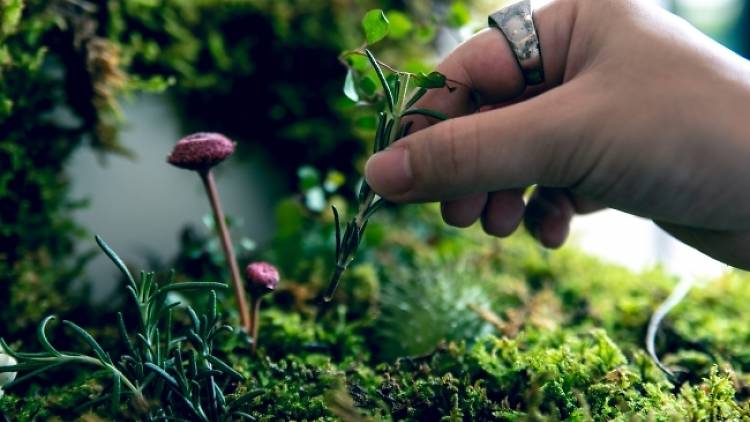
(226, 243)
(255, 322)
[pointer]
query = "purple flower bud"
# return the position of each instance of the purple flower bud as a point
(201, 151)
(262, 277)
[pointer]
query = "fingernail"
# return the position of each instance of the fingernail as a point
(389, 172)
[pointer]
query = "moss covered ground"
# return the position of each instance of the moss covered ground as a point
(438, 324)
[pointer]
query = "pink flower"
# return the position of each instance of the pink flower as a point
(201, 151)
(262, 277)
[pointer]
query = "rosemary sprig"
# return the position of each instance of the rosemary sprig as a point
(400, 93)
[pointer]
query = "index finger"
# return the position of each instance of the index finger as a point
(484, 71)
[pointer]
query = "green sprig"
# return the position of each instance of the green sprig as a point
(399, 96)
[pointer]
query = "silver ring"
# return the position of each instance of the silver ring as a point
(517, 25)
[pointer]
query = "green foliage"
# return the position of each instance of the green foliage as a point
(156, 364)
(375, 25)
(401, 90)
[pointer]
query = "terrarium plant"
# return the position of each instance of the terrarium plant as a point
(392, 98)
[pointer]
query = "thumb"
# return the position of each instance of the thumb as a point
(537, 141)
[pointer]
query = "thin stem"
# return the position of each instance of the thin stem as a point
(226, 243)
(256, 299)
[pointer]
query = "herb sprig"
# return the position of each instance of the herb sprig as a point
(400, 92)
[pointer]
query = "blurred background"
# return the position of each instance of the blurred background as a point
(102, 90)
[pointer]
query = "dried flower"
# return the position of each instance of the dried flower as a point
(201, 151)
(262, 277)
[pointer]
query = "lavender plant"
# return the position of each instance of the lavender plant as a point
(179, 372)
(399, 92)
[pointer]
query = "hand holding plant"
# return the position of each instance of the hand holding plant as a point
(398, 92)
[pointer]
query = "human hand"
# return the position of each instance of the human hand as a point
(639, 112)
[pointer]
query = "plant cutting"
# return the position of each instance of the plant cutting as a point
(200, 152)
(262, 278)
(398, 92)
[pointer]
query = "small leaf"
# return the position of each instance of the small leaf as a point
(383, 82)
(42, 336)
(336, 221)
(416, 97)
(458, 15)
(162, 374)
(350, 89)
(430, 80)
(86, 337)
(116, 392)
(375, 25)
(116, 259)
(425, 34)
(224, 367)
(190, 285)
(424, 112)
(400, 24)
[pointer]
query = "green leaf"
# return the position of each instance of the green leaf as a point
(375, 25)
(86, 337)
(116, 392)
(42, 336)
(458, 15)
(400, 24)
(224, 367)
(116, 260)
(162, 374)
(416, 97)
(350, 89)
(425, 34)
(190, 285)
(424, 112)
(383, 82)
(430, 80)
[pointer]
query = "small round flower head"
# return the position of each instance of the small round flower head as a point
(201, 151)
(6, 377)
(262, 277)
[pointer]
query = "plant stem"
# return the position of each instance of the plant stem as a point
(255, 322)
(226, 243)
